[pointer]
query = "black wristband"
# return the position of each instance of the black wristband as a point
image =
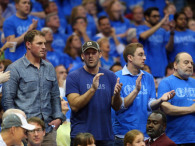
(172, 33)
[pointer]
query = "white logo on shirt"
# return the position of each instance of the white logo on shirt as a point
(101, 86)
(185, 92)
(129, 88)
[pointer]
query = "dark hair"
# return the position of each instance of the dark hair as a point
(164, 118)
(83, 139)
(37, 120)
(178, 14)
(169, 66)
(101, 18)
(149, 11)
(30, 35)
(115, 64)
(130, 50)
(77, 18)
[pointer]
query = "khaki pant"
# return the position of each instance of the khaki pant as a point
(50, 139)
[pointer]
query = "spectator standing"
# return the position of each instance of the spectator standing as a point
(85, 88)
(33, 77)
(180, 109)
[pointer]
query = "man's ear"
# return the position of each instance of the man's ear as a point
(82, 57)
(175, 65)
(28, 45)
(129, 58)
(100, 54)
(44, 133)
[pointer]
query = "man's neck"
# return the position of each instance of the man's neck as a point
(132, 69)
(176, 74)
(21, 16)
(6, 138)
(29, 144)
(33, 60)
(94, 70)
(180, 29)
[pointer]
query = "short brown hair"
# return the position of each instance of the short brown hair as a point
(37, 121)
(6, 63)
(130, 49)
(130, 136)
(30, 35)
(83, 139)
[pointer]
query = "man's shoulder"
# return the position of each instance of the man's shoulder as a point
(16, 64)
(106, 72)
(165, 140)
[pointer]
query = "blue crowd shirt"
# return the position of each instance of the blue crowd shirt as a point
(95, 117)
(113, 51)
(32, 90)
(154, 47)
(184, 41)
(135, 116)
(107, 63)
(59, 41)
(180, 129)
(16, 26)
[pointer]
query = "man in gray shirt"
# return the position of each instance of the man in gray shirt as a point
(33, 86)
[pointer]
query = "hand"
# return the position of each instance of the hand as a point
(167, 96)
(56, 123)
(112, 32)
(165, 18)
(33, 24)
(82, 29)
(4, 77)
(61, 81)
(172, 25)
(138, 82)
(96, 80)
(7, 45)
(118, 86)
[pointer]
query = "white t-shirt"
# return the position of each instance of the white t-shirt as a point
(2, 143)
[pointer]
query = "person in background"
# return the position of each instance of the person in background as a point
(191, 24)
(138, 15)
(134, 138)
(156, 126)
(63, 132)
(61, 74)
(13, 130)
(35, 136)
(84, 139)
(116, 67)
(106, 60)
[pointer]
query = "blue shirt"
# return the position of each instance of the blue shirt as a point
(154, 47)
(59, 41)
(16, 26)
(184, 41)
(180, 129)
(135, 116)
(95, 117)
(34, 91)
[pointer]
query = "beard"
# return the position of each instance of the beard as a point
(156, 133)
(183, 74)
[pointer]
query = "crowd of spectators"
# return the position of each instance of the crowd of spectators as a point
(158, 31)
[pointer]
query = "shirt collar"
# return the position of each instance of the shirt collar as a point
(27, 62)
(125, 71)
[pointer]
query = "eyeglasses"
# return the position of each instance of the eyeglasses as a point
(35, 130)
(155, 16)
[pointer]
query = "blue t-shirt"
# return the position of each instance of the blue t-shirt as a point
(16, 26)
(135, 116)
(113, 52)
(54, 57)
(180, 129)
(184, 41)
(95, 117)
(59, 41)
(154, 47)
(107, 63)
